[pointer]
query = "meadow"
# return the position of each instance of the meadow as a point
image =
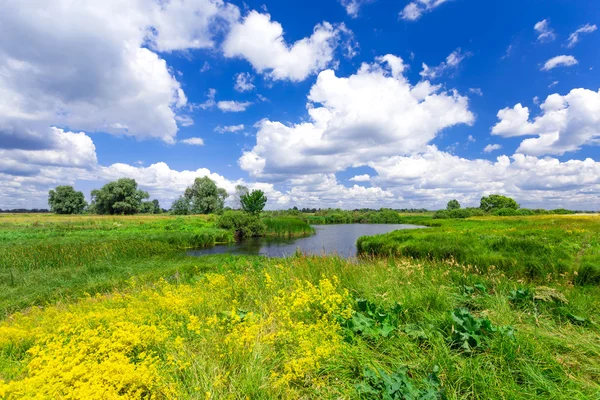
(111, 307)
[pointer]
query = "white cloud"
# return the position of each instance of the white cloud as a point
(476, 91)
(95, 70)
(210, 101)
(574, 37)
(559, 61)
(565, 124)
(452, 62)
(373, 113)
(233, 106)
(361, 178)
(544, 32)
(414, 10)
(243, 82)
(260, 41)
(184, 120)
(491, 147)
(194, 141)
(426, 179)
(230, 128)
(186, 24)
(65, 149)
(552, 84)
(353, 6)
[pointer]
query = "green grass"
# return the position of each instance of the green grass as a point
(519, 290)
(522, 247)
(287, 227)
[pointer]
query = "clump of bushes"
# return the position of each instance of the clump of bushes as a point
(455, 213)
(243, 225)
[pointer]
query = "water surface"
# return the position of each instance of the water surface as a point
(329, 239)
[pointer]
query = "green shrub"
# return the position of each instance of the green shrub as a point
(506, 212)
(453, 214)
(442, 214)
(242, 224)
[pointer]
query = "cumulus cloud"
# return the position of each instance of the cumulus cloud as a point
(451, 63)
(230, 128)
(544, 32)
(361, 178)
(243, 82)
(414, 10)
(574, 37)
(476, 91)
(565, 124)
(491, 147)
(559, 61)
(426, 178)
(67, 149)
(260, 41)
(101, 73)
(233, 106)
(353, 120)
(193, 141)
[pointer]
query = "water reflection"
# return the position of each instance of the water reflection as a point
(329, 239)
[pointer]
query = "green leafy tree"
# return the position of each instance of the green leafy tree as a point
(181, 206)
(453, 205)
(150, 207)
(205, 197)
(496, 201)
(157, 209)
(253, 202)
(65, 200)
(118, 197)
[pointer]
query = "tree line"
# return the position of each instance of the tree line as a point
(123, 197)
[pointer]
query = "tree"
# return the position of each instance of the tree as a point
(453, 205)
(118, 197)
(205, 197)
(253, 202)
(150, 207)
(496, 201)
(181, 206)
(157, 209)
(65, 200)
(240, 190)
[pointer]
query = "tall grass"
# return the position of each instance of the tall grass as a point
(287, 328)
(523, 247)
(287, 227)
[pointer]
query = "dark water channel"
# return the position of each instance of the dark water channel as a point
(329, 239)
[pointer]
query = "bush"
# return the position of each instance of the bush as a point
(453, 214)
(506, 212)
(562, 211)
(242, 224)
(442, 214)
(476, 212)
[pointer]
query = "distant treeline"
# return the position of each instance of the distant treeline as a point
(24, 211)
(329, 210)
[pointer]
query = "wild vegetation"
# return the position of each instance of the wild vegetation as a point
(521, 247)
(111, 307)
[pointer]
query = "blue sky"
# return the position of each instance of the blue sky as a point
(346, 103)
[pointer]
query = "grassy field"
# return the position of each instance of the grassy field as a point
(522, 247)
(127, 315)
